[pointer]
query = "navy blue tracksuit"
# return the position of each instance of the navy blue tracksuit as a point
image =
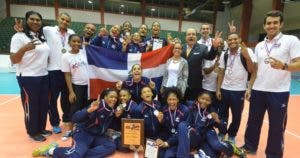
(116, 125)
(199, 132)
(108, 42)
(34, 96)
(58, 86)
(146, 111)
(89, 136)
(276, 103)
(169, 129)
(136, 87)
(136, 48)
(234, 100)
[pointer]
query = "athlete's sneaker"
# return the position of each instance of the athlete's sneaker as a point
(247, 150)
(231, 139)
(38, 137)
(202, 154)
(43, 150)
(236, 150)
(67, 135)
(56, 129)
(46, 133)
(221, 137)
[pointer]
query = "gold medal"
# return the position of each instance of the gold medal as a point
(63, 50)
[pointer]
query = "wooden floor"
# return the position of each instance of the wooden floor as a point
(14, 142)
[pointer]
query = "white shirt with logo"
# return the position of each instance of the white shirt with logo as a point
(35, 61)
(77, 65)
(281, 47)
(235, 77)
(56, 42)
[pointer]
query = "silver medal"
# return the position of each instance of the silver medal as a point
(156, 112)
(173, 130)
(209, 116)
(63, 50)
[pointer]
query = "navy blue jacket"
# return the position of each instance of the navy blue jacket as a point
(198, 119)
(95, 123)
(169, 125)
(136, 48)
(107, 42)
(129, 112)
(135, 88)
(151, 123)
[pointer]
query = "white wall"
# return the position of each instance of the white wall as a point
(20, 10)
(2, 9)
(165, 24)
(82, 16)
(190, 24)
(113, 19)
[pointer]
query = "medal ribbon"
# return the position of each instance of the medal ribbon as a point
(273, 45)
(63, 39)
(172, 117)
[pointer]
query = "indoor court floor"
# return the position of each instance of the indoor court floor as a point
(16, 144)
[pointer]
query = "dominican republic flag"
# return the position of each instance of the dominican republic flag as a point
(106, 67)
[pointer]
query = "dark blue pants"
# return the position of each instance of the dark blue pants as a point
(187, 139)
(81, 92)
(87, 146)
(58, 86)
(34, 96)
(213, 147)
(276, 104)
(170, 152)
(235, 101)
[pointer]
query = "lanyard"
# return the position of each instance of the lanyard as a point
(63, 39)
(199, 112)
(172, 117)
(273, 45)
(104, 105)
(232, 59)
(129, 106)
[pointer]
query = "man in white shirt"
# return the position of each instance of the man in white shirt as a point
(232, 82)
(277, 56)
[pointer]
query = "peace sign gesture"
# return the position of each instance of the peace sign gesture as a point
(232, 28)
(94, 105)
(31, 45)
(216, 42)
(244, 50)
(18, 25)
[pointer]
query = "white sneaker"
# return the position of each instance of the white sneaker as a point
(67, 135)
(202, 154)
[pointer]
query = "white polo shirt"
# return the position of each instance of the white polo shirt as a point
(207, 42)
(34, 62)
(284, 48)
(209, 81)
(77, 65)
(236, 75)
(56, 41)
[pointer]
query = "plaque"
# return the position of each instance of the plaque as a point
(132, 132)
(151, 149)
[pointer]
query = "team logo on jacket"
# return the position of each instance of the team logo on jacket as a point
(102, 116)
(177, 119)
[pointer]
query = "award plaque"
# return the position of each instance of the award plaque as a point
(151, 149)
(132, 132)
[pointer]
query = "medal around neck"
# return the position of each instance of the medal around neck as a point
(63, 50)
(156, 112)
